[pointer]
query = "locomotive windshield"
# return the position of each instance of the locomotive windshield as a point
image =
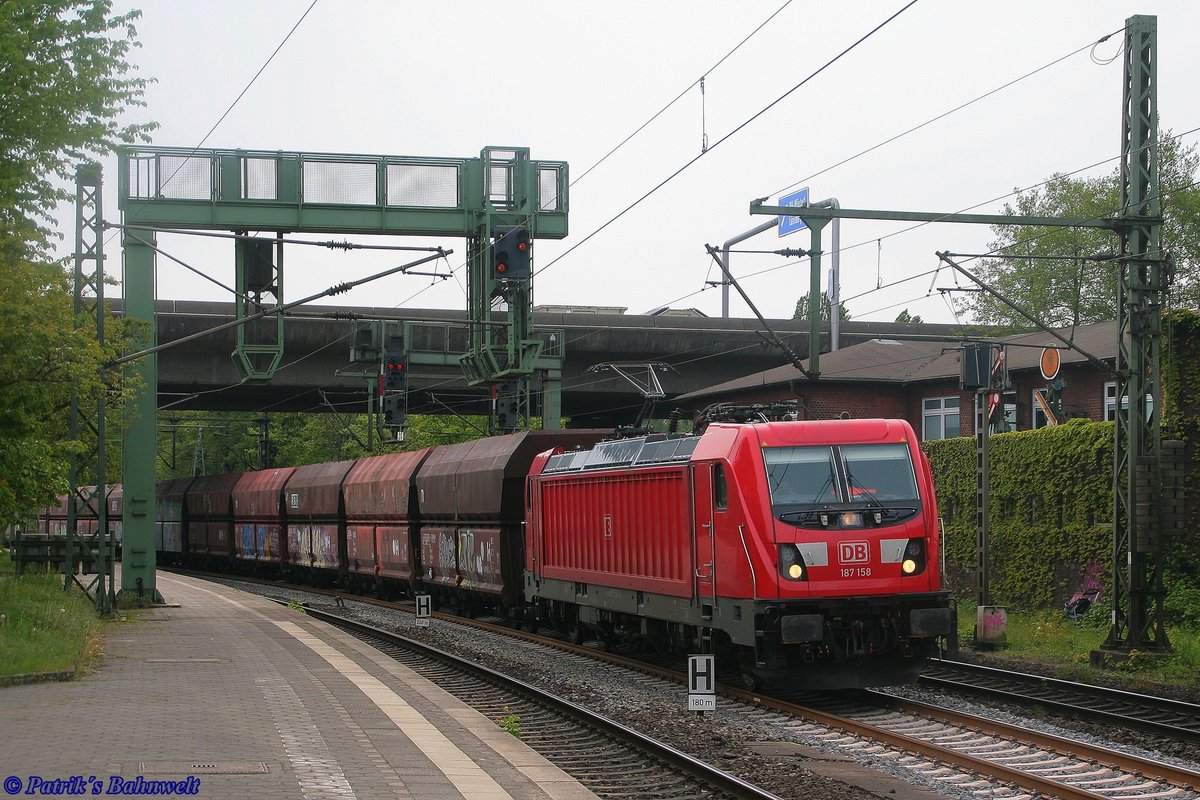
(879, 472)
(801, 475)
(867, 474)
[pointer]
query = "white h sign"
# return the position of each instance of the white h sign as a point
(424, 610)
(702, 683)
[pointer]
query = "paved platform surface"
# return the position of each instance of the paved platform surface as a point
(231, 696)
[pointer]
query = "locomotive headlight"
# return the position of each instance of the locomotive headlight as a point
(850, 519)
(914, 557)
(791, 563)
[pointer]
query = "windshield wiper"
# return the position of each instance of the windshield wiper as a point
(828, 484)
(867, 494)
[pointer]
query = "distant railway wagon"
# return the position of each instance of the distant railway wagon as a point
(316, 521)
(208, 532)
(471, 501)
(116, 514)
(381, 519)
(170, 500)
(259, 531)
(52, 520)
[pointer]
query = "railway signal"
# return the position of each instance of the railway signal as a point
(511, 253)
(395, 372)
(394, 410)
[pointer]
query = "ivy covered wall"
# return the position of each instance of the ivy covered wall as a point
(1051, 509)
(1051, 497)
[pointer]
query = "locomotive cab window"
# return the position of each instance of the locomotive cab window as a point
(879, 472)
(848, 485)
(720, 488)
(800, 475)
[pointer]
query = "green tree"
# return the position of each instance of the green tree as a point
(1062, 275)
(904, 318)
(826, 309)
(64, 81)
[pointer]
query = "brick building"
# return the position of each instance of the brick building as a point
(919, 380)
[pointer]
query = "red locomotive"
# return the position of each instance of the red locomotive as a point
(804, 552)
(798, 548)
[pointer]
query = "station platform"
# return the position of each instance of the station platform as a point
(227, 695)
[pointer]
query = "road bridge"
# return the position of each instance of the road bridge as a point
(200, 374)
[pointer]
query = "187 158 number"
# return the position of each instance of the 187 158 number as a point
(856, 572)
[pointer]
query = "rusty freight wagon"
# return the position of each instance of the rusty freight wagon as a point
(381, 520)
(208, 537)
(471, 497)
(316, 521)
(170, 499)
(258, 519)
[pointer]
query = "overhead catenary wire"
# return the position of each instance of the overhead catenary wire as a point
(699, 81)
(919, 225)
(1090, 46)
(778, 268)
(944, 114)
(245, 89)
(896, 282)
(843, 53)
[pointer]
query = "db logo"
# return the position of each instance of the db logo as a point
(853, 552)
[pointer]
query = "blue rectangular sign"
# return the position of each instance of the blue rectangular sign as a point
(792, 224)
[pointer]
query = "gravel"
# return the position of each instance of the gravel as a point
(654, 707)
(725, 737)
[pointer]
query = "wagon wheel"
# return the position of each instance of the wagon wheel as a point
(576, 633)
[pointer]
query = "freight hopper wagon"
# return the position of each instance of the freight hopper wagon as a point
(471, 497)
(258, 514)
(208, 535)
(381, 521)
(316, 522)
(806, 552)
(170, 499)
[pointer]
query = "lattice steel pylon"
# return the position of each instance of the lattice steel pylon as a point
(1138, 531)
(89, 310)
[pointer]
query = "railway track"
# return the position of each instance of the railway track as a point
(978, 755)
(608, 758)
(1170, 719)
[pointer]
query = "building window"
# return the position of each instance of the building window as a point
(1039, 416)
(1110, 402)
(940, 418)
(1000, 424)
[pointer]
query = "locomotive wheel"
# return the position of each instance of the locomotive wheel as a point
(750, 681)
(576, 633)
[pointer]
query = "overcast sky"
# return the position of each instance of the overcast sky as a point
(571, 80)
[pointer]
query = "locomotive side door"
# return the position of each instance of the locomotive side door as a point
(705, 546)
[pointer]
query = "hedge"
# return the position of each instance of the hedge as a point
(1051, 497)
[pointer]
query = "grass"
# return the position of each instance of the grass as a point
(43, 628)
(1066, 646)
